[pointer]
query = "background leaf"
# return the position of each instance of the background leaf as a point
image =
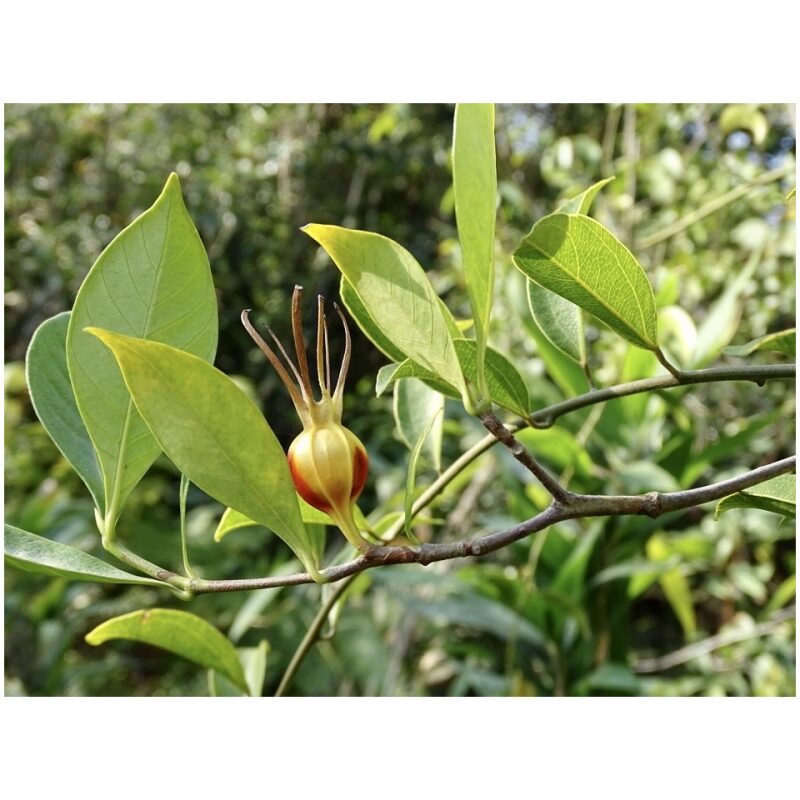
(396, 293)
(577, 258)
(776, 494)
(180, 632)
(153, 282)
(415, 405)
(214, 434)
(722, 321)
(34, 553)
(780, 342)
(559, 320)
(411, 475)
(475, 190)
(54, 402)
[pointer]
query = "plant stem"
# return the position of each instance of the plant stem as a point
(545, 417)
(311, 636)
(499, 431)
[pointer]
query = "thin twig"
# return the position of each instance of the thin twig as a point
(545, 417)
(712, 643)
(651, 504)
(496, 427)
(713, 205)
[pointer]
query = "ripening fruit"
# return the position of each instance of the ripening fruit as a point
(327, 461)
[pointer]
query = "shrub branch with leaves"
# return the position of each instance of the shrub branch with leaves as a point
(128, 374)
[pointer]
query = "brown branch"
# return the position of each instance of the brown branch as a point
(504, 435)
(652, 504)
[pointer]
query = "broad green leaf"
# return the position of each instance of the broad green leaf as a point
(475, 190)
(506, 386)
(214, 433)
(396, 293)
(581, 203)
(776, 494)
(722, 321)
(674, 584)
(745, 118)
(54, 402)
(414, 405)
(565, 372)
(559, 320)
(34, 553)
(577, 258)
(152, 282)
(780, 342)
(424, 436)
(369, 327)
(179, 632)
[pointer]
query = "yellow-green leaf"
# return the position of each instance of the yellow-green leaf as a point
(475, 190)
(152, 282)
(214, 434)
(776, 495)
(33, 553)
(397, 295)
(179, 632)
(780, 342)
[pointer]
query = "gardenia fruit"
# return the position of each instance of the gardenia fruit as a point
(327, 461)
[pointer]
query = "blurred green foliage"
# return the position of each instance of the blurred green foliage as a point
(570, 611)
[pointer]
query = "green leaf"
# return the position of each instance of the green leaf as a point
(617, 678)
(783, 594)
(581, 203)
(390, 373)
(780, 342)
(559, 320)
(214, 434)
(791, 194)
(745, 118)
(674, 584)
(153, 282)
(397, 294)
(232, 520)
(475, 189)
(414, 405)
(254, 660)
(179, 632)
(722, 321)
(565, 372)
(577, 258)
(34, 553)
(369, 327)
(506, 386)
(776, 495)
(424, 436)
(54, 402)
